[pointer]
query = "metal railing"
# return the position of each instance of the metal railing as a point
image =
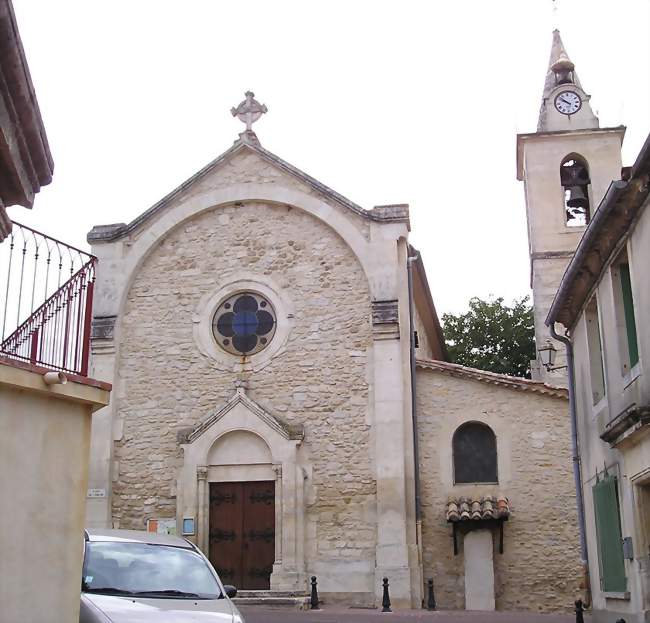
(47, 300)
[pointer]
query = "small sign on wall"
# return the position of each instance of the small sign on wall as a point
(96, 493)
(188, 526)
(161, 526)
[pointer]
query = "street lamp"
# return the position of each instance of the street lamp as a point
(547, 354)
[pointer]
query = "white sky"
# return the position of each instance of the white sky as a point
(385, 102)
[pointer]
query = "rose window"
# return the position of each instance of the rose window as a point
(244, 324)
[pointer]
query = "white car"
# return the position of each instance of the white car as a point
(131, 576)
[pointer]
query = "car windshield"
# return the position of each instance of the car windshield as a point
(127, 568)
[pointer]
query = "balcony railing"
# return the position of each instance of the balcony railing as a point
(46, 302)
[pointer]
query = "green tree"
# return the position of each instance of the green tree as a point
(492, 336)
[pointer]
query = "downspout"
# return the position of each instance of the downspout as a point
(416, 447)
(575, 456)
(414, 423)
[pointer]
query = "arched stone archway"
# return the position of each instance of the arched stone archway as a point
(241, 442)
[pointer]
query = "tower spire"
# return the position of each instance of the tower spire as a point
(560, 73)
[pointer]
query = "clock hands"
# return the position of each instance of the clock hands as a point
(568, 102)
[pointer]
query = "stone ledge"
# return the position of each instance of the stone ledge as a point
(23, 376)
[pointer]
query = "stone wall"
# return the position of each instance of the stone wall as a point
(319, 380)
(540, 567)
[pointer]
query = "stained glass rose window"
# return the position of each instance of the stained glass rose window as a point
(244, 324)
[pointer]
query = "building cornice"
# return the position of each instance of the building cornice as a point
(552, 135)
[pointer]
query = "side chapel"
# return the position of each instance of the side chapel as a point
(284, 399)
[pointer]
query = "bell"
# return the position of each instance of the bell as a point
(577, 198)
(573, 173)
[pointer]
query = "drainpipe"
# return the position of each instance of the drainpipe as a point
(414, 420)
(575, 455)
(416, 447)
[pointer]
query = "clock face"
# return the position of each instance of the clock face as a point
(568, 102)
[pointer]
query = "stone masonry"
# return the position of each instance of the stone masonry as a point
(320, 381)
(540, 567)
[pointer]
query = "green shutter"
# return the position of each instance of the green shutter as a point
(608, 531)
(628, 307)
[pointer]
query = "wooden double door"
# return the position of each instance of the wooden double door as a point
(242, 532)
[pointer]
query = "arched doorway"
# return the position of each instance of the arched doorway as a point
(241, 512)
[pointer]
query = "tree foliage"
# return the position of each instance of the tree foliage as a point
(492, 336)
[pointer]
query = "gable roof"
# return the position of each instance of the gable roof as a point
(492, 378)
(248, 141)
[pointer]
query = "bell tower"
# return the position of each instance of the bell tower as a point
(566, 167)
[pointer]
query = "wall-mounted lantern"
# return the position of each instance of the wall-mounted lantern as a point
(547, 355)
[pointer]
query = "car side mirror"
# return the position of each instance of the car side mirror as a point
(231, 591)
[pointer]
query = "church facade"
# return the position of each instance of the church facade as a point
(282, 397)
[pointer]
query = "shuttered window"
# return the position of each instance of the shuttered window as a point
(628, 307)
(608, 530)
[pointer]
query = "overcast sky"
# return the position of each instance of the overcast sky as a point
(385, 102)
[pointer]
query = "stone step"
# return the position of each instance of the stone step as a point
(299, 601)
(252, 593)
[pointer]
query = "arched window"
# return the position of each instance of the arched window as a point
(574, 176)
(475, 453)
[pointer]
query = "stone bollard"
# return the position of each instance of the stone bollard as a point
(579, 610)
(313, 601)
(431, 600)
(385, 602)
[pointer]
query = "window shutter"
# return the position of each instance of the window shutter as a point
(628, 307)
(608, 530)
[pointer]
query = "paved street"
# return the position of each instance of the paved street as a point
(349, 615)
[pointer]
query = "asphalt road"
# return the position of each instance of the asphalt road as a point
(256, 614)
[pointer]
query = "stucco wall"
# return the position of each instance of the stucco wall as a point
(320, 380)
(539, 569)
(44, 443)
(630, 460)
(424, 349)
(551, 242)
(546, 276)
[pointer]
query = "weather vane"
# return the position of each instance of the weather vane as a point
(249, 111)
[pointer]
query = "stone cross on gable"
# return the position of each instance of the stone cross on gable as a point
(249, 111)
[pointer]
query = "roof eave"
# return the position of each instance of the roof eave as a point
(492, 378)
(30, 164)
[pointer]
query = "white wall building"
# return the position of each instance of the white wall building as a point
(604, 304)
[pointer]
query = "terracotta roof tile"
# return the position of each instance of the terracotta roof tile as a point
(474, 509)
